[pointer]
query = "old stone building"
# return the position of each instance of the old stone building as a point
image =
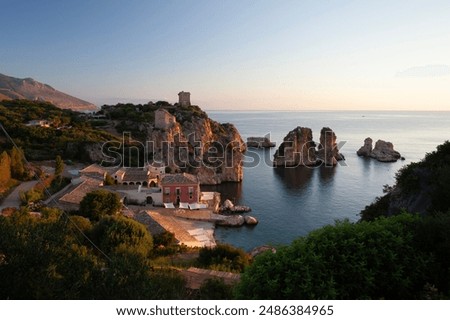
(184, 99)
(163, 119)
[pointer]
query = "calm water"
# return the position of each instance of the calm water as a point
(291, 202)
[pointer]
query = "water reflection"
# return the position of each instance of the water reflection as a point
(294, 178)
(326, 174)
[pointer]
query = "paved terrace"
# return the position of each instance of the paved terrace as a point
(193, 228)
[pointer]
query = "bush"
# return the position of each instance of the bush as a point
(223, 257)
(367, 260)
(119, 234)
(99, 203)
(215, 289)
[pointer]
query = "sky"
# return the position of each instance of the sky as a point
(235, 55)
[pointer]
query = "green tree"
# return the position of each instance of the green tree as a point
(5, 169)
(59, 166)
(17, 164)
(109, 181)
(99, 203)
(120, 234)
(43, 261)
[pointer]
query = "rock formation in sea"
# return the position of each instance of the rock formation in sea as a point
(297, 149)
(383, 151)
(259, 142)
(328, 152)
(366, 149)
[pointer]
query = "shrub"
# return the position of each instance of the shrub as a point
(367, 260)
(223, 257)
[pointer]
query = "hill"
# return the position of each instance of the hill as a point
(67, 133)
(421, 187)
(30, 89)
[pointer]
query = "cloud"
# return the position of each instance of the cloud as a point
(429, 71)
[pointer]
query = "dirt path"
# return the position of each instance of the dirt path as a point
(13, 199)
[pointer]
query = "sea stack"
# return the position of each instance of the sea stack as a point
(383, 151)
(328, 152)
(366, 149)
(297, 149)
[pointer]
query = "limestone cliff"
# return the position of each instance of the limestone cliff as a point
(199, 145)
(297, 149)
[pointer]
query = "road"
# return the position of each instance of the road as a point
(13, 200)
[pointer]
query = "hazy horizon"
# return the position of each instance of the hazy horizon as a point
(265, 55)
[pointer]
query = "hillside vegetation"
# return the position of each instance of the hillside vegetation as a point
(68, 134)
(421, 187)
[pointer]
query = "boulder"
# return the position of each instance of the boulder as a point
(328, 152)
(227, 205)
(231, 221)
(258, 250)
(384, 152)
(251, 221)
(366, 149)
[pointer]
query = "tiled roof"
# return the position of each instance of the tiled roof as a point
(76, 195)
(135, 174)
(95, 169)
(179, 178)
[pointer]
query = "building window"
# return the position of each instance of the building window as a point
(178, 191)
(167, 191)
(191, 193)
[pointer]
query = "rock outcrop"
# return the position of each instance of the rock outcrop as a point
(200, 146)
(259, 250)
(229, 207)
(383, 151)
(366, 149)
(297, 149)
(231, 221)
(328, 152)
(259, 142)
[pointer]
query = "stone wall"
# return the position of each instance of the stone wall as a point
(164, 120)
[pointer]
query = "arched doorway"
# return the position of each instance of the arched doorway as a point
(152, 184)
(149, 200)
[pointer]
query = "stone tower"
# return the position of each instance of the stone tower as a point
(184, 99)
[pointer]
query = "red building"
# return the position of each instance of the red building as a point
(180, 187)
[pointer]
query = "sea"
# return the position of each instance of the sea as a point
(291, 202)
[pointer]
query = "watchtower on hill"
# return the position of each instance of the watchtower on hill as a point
(184, 99)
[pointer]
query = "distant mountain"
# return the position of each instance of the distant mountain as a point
(30, 89)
